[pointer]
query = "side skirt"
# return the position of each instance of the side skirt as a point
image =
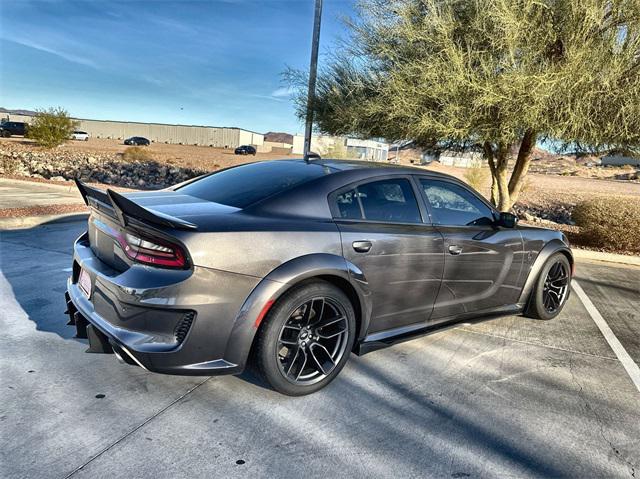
(384, 339)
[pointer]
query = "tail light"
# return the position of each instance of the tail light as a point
(152, 251)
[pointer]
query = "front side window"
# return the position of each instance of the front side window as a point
(454, 205)
(389, 200)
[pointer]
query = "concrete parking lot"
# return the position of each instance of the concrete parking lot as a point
(506, 397)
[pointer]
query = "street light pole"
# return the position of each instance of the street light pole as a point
(313, 71)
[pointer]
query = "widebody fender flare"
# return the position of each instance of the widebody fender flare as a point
(280, 280)
(554, 246)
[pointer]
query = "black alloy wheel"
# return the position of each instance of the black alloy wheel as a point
(306, 338)
(551, 290)
(312, 341)
(555, 288)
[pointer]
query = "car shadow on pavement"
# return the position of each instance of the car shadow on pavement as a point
(606, 284)
(35, 264)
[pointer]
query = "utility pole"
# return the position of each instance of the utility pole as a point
(313, 71)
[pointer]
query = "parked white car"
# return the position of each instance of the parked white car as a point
(80, 135)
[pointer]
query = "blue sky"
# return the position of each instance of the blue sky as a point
(214, 62)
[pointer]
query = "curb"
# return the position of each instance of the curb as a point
(7, 224)
(68, 186)
(607, 257)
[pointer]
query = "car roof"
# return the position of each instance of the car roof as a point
(309, 199)
(371, 168)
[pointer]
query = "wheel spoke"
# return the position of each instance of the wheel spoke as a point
(333, 334)
(323, 352)
(304, 363)
(554, 301)
(293, 361)
(563, 281)
(546, 301)
(288, 326)
(329, 322)
(307, 313)
(318, 316)
(319, 367)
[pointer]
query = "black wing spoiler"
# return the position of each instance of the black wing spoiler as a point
(125, 209)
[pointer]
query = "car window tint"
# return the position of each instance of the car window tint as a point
(454, 205)
(244, 185)
(348, 206)
(389, 200)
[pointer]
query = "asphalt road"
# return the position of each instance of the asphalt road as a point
(506, 397)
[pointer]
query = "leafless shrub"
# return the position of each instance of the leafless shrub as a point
(135, 154)
(477, 177)
(609, 222)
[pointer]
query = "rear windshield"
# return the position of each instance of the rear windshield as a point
(247, 184)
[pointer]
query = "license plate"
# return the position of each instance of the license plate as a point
(84, 282)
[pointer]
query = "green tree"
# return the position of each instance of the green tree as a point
(497, 74)
(51, 127)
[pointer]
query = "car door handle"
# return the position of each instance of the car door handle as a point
(453, 249)
(362, 246)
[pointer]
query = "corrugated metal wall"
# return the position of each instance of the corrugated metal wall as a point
(177, 134)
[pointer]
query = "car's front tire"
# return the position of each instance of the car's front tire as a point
(306, 339)
(551, 290)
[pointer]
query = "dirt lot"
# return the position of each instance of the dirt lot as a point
(199, 157)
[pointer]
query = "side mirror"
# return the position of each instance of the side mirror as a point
(507, 220)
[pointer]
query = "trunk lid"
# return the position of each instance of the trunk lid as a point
(164, 212)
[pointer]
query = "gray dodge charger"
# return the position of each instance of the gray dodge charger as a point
(296, 264)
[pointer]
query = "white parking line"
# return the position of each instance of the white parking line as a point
(627, 362)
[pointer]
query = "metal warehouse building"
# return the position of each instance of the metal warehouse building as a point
(370, 150)
(221, 137)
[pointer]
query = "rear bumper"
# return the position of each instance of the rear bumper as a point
(172, 322)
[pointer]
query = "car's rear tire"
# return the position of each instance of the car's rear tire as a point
(306, 339)
(551, 290)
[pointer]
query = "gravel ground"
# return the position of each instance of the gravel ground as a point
(41, 210)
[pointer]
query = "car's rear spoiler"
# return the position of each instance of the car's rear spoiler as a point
(126, 209)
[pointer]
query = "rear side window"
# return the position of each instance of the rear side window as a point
(244, 185)
(348, 205)
(454, 205)
(389, 200)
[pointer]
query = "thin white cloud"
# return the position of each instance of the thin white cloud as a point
(282, 92)
(266, 97)
(71, 57)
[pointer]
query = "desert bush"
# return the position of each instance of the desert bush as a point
(51, 127)
(611, 222)
(477, 177)
(338, 151)
(136, 153)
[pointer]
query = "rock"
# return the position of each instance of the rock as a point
(59, 165)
